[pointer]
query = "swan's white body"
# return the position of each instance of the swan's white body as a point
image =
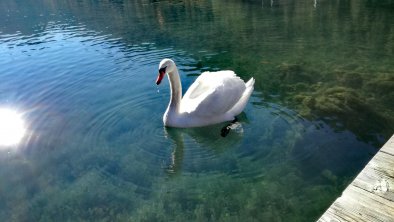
(213, 98)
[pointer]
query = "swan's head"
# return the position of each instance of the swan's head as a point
(166, 66)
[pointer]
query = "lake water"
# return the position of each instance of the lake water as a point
(81, 74)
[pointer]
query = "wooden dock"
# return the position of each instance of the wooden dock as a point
(370, 197)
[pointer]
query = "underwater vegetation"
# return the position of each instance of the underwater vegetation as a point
(107, 185)
(361, 102)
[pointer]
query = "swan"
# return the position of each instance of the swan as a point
(214, 97)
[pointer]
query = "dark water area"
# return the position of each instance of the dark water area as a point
(81, 74)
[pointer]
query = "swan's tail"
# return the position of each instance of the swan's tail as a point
(250, 83)
(240, 105)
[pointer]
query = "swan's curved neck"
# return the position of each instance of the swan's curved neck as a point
(176, 91)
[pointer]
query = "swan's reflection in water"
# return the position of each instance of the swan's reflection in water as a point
(194, 148)
(176, 136)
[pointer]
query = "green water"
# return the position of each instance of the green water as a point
(82, 74)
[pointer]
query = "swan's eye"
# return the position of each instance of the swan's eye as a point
(162, 70)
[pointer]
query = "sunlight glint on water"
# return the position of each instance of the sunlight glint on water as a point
(12, 127)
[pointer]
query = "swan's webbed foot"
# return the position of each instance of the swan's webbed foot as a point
(226, 130)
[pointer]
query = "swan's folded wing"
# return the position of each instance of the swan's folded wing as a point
(213, 93)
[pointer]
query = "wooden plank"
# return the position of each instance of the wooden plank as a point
(382, 162)
(376, 183)
(389, 146)
(367, 206)
(370, 197)
(357, 205)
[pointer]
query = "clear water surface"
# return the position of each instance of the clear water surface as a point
(81, 75)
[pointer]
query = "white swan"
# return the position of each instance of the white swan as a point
(213, 98)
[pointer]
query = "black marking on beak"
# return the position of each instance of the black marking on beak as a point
(162, 72)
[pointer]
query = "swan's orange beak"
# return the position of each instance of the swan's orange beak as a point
(162, 72)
